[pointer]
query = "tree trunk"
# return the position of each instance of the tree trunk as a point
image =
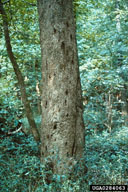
(109, 112)
(62, 132)
(19, 76)
(124, 97)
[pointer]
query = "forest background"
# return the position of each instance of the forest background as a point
(102, 40)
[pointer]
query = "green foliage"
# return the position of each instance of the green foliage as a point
(20, 168)
(19, 163)
(108, 165)
(103, 58)
(24, 34)
(102, 47)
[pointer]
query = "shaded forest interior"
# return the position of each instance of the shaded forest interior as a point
(102, 41)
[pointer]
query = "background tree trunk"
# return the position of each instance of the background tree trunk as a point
(62, 133)
(125, 105)
(109, 111)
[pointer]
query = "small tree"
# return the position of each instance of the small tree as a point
(18, 74)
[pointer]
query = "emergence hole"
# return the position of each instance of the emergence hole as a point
(67, 24)
(63, 46)
(47, 136)
(54, 30)
(55, 126)
(66, 92)
(46, 103)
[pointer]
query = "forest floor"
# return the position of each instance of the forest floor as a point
(106, 159)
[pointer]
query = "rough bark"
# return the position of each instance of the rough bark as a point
(18, 73)
(62, 133)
